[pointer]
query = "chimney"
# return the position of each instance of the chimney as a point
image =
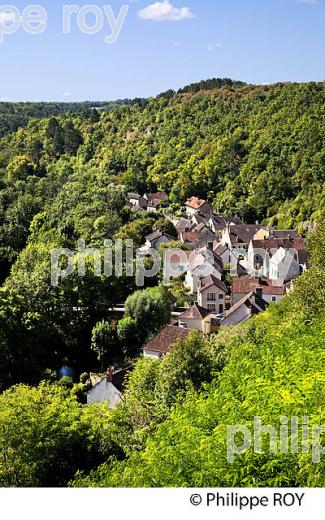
(259, 292)
(109, 374)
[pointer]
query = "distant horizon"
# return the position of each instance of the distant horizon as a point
(153, 96)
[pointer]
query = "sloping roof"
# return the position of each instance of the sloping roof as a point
(247, 284)
(284, 233)
(243, 233)
(220, 221)
(210, 281)
(199, 237)
(195, 203)
(219, 249)
(199, 219)
(183, 224)
(159, 196)
(159, 234)
(118, 378)
(271, 244)
(250, 300)
(303, 257)
(195, 313)
(164, 341)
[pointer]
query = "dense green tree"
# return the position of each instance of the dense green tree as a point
(46, 436)
(127, 333)
(19, 168)
(103, 341)
(72, 138)
(150, 309)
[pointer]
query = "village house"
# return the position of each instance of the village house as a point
(228, 258)
(197, 318)
(237, 238)
(211, 294)
(260, 253)
(217, 223)
(270, 292)
(154, 240)
(195, 206)
(250, 305)
(107, 388)
(199, 220)
(182, 225)
(196, 237)
(154, 200)
(162, 344)
(273, 234)
(137, 202)
(202, 264)
(284, 265)
(147, 202)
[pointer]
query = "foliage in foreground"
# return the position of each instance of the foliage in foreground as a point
(46, 435)
(275, 368)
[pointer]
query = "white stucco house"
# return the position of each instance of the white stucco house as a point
(203, 264)
(244, 309)
(107, 388)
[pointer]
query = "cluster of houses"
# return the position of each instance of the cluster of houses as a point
(230, 270)
(148, 202)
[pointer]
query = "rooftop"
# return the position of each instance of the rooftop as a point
(164, 341)
(247, 284)
(212, 281)
(195, 313)
(195, 203)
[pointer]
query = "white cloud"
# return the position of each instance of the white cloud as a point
(214, 46)
(165, 12)
(67, 94)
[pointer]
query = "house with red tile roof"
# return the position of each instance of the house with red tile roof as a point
(270, 291)
(162, 344)
(195, 206)
(200, 319)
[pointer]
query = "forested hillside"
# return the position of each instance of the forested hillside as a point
(16, 115)
(255, 151)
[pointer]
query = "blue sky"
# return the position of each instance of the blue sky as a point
(165, 45)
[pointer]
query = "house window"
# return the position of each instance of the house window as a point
(211, 297)
(273, 298)
(220, 309)
(220, 296)
(211, 307)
